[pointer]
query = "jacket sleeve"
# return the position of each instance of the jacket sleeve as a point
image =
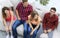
(44, 22)
(55, 23)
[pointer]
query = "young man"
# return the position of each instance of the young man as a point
(23, 9)
(50, 22)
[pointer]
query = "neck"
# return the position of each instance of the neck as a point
(51, 15)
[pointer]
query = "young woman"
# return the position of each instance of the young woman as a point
(7, 19)
(33, 24)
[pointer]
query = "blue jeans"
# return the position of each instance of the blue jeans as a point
(50, 34)
(39, 32)
(29, 31)
(15, 25)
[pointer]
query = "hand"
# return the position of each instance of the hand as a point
(27, 21)
(32, 29)
(7, 29)
(19, 18)
(10, 28)
(29, 17)
(49, 30)
(45, 31)
(31, 33)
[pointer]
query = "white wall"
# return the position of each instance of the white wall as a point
(44, 9)
(5, 3)
(52, 3)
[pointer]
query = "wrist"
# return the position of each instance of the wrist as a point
(6, 26)
(32, 28)
(45, 31)
(18, 17)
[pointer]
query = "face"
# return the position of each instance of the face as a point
(25, 4)
(52, 11)
(7, 11)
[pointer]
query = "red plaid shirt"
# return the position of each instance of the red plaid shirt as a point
(50, 22)
(24, 11)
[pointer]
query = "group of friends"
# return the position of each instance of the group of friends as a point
(30, 19)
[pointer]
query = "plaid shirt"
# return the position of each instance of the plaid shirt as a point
(50, 22)
(24, 11)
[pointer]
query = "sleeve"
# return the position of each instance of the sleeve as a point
(18, 6)
(55, 23)
(44, 22)
(30, 9)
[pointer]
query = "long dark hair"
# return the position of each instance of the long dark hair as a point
(33, 15)
(3, 11)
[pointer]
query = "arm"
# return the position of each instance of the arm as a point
(29, 21)
(31, 26)
(55, 24)
(17, 8)
(30, 10)
(44, 22)
(4, 22)
(11, 18)
(17, 15)
(35, 29)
